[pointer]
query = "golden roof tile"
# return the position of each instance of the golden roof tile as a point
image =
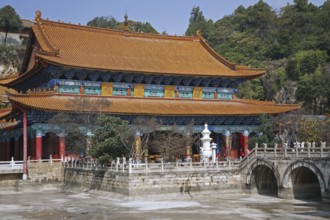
(147, 106)
(5, 111)
(104, 49)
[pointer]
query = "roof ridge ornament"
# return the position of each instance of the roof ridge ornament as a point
(38, 14)
(126, 19)
(199, 34)
(54, 51)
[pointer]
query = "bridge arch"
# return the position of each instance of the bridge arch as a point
(304, 179)
(264, 177)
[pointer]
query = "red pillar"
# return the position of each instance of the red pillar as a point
(61, 145)
(245, 141)
(24, 145)
(32, 147)
(227, 143)
(39, 145)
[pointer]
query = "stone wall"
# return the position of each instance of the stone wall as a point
(42, 175)
(152, 182)
(45, 172)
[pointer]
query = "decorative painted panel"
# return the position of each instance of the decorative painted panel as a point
(107, 89)
(120, 89)
(138, 90)
(225, 96)
(198, 92)
(185, 92)
(169, 92)
(225, 93)
(92, 90)
(69, 89)
(208, 93)
(62, 82)
(153, 90)
(119, 92)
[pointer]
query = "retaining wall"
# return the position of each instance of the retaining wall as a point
(152, 182)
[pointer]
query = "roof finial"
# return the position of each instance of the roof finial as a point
(126, 19)
(38, 14)
(199, 33)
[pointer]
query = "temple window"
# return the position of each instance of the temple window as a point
(92, 88)
(185, 92)
(119, 92)
(208, 93)
(225, 93)
(120, 89)
(68, 86)
(69, 89)
(153, 90)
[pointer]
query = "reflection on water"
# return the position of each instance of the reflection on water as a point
(60, 205)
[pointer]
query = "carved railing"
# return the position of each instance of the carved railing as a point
(122, 166)
(295, 152)
(11, 165)
(16, 166)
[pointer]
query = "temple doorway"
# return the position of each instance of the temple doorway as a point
(50, 145)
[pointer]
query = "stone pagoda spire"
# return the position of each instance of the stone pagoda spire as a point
(206, 151)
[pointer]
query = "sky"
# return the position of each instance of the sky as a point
(171, 16)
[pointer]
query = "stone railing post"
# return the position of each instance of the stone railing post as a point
(190, 164)
(285, 146)
(297, 149)
(162, 164)
(12, 162)
(217, 164)
(308, 149)
(130, 165)
(313, 146)
(229, 163)
(256, 149)
(265, 149)
(176, 165)
(275, 149)
(321, 147)
(146, 168)
(124, 164)
(117, 164)
(51, 160)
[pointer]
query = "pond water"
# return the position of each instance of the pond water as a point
(61, 205)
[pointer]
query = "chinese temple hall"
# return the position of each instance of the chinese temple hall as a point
(173, 78)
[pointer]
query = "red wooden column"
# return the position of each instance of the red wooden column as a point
(32, 147)
(245, 141)
(228, 143)
(39, 145)
(24, 145)
(61, 145)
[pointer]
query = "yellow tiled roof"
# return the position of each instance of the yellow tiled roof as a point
(4, 111)
(49, 101)
(104, 49)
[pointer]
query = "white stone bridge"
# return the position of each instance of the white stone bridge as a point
(302, 173)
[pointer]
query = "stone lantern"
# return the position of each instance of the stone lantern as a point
(206, 151)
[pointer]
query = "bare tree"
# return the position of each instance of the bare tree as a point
(80, 119)
(172, 143)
